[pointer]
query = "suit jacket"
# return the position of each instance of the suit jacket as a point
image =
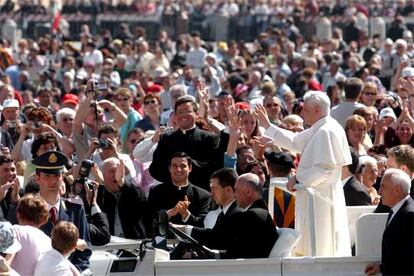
(99, 229)
(215, 238)
(203, 148)
(74, 213)
(252, 233)
(398, 242)
(132, 207)
(355, 193)
(166, 195)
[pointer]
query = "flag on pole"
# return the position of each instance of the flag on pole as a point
(55, 8)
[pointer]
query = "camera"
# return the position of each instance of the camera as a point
(37, 125)
(104, 144)
(84, 171)
(102, 86)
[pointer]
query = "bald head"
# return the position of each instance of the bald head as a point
(248, 189)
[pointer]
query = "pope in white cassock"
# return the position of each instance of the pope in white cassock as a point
(324, 150)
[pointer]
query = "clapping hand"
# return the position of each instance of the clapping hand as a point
(182, 207)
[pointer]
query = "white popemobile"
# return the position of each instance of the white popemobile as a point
(130, 257)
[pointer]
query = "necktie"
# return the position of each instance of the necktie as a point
(53, 215)
(220, 218)
(389, 217)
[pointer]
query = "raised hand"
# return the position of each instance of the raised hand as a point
(407, 84)
(120, 173)
(261, 116)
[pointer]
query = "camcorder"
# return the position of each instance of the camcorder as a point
(84, 171)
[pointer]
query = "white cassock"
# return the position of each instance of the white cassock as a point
(324, 150)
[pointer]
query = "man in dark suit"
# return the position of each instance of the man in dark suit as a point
(222, 192)
(254, 232)
(98, 220)
(184, 202)
(400, 157)
(202, 146)
(355, 193)
(124, 203)
(398, 238)
(49, 171)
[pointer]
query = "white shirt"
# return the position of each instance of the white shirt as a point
(397, 207)
(52, 263)
(346, 180)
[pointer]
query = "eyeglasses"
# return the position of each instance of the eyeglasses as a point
(67, 119)
(150, 102)
(370, 93)
(122, 99)
(133, 141)
(183, 112)
(269, 105)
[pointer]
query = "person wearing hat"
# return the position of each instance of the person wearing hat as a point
(10, 119)
(49, 173)
(9, 246)
(281, 165)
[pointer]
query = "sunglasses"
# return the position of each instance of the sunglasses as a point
(67, 119)
(150, 102)
(122, 99)
(370, 93)
(269, 105)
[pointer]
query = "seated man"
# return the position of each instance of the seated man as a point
(398, 239)
(124, 204)
(243, 234)
(355, 193)
(185, 203)
(222, 192)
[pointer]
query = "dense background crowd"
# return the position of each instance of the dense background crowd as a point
(127, 100)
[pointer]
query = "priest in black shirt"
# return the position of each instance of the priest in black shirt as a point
(184, 202)
(202, 146)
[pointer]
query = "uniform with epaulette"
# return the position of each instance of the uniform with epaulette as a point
(53, 162)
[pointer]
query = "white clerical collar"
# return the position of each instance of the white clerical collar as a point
(181, 186)
(185, 130)
(346, 180)
(226, 208)
(397, 206)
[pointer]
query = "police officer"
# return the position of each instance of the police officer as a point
(49, 176)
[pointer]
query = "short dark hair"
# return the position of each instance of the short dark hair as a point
(241, 149)
(43, 138)
(353, 88)
(180, 154)
(107, 129)
(186, 99)
(226, 177)
(5, 159)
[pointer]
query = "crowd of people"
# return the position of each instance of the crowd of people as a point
(97, 140)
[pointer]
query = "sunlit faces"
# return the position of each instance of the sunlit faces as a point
(218, 193)
(179, 170)
(185, 115)
(7, 172)
(49, 183)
